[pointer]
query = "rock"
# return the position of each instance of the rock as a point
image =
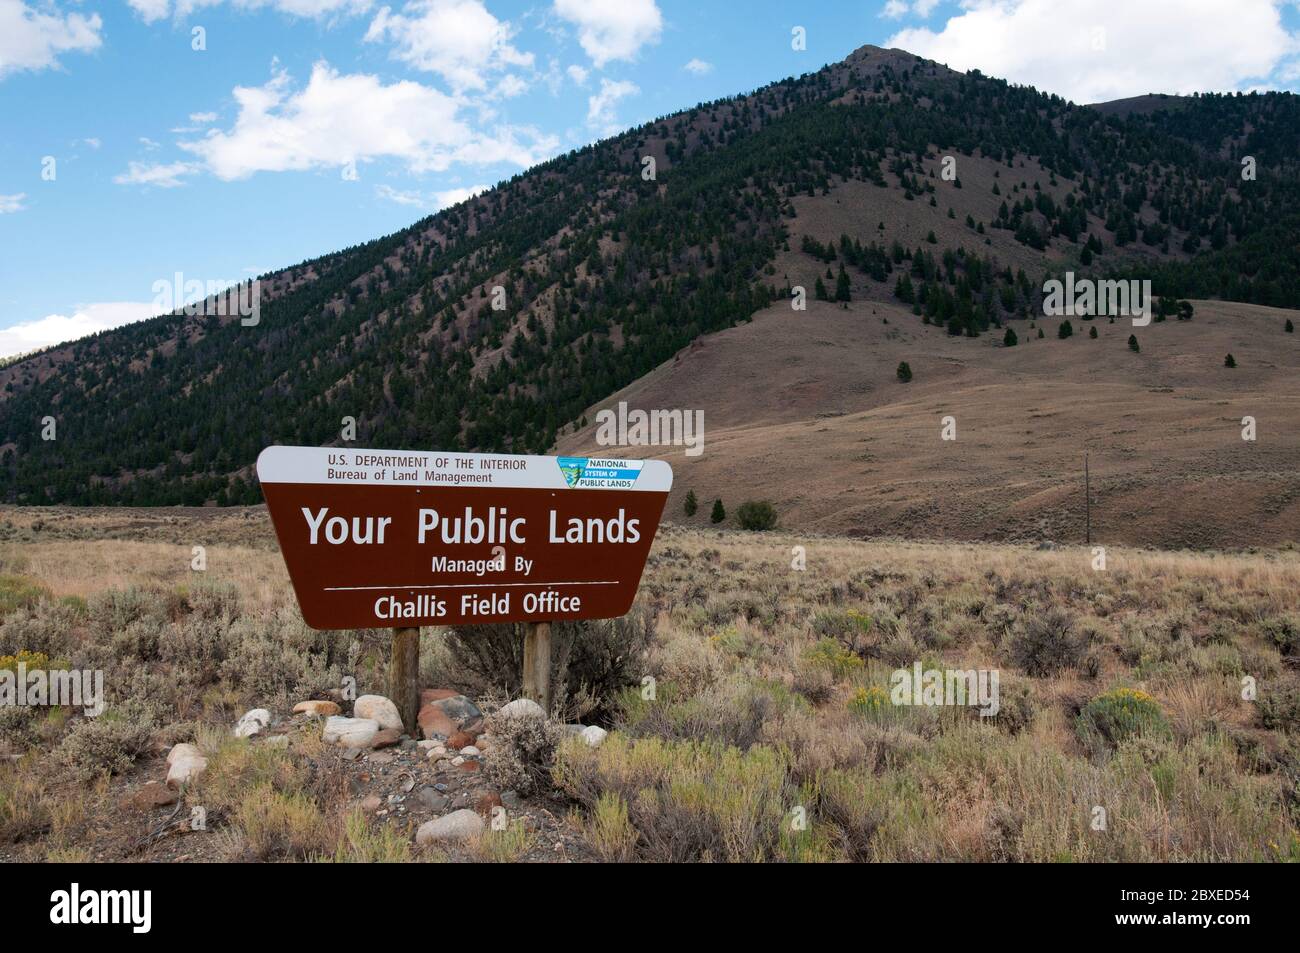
(252, 722)
(511, 800)
(153, 795)
(428, 695)
(434, 723)
(371, 804)
(463, 713)
(456, 827)
(573, 730)
(487, 801)
(378, 708)
(182, 750)
(457, 761)
(185, 767)
(350, 732)
(426, 744)
(321, 708)
(431, 799)
(433, 754)
(277, 741)
(470, 766)
(382, 757)
(387, 738)
(469, 751)
(522, 708)
(352, 754)
(460, 739)
(593, 736)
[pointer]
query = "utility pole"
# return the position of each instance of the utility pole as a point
(1087, 492)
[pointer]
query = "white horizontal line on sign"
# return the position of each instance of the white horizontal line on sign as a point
(345, 466)
(468, 585)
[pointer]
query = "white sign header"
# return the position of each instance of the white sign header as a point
(438, 468)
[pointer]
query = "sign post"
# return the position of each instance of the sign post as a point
(537, 664)
(401, 539)
(404, 675)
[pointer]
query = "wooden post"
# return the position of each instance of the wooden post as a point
(537, 664)
(404, 677)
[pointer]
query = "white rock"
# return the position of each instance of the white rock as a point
(470, 751)
(380, 709)
(457, 761)
(522, 708)
(350, 732)
(252, 722)
(457, 826)
(277, 741)
(594, 736)
(182, 750)
(185, 769)
(426, 743)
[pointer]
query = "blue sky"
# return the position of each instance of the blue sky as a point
(304, 126)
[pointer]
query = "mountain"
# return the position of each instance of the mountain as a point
(609, 273)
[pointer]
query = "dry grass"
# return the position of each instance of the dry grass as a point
(764, 735)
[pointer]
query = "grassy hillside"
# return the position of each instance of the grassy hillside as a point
(805, 410)
(1120, 691)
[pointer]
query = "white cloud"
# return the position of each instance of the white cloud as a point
(698, 67)
(92, 142)
(58, 328)
(438, 200)
(148, 143)
(510, 86)
(894, 9)
(456, 196)
(337, 119)
(157, 174)
(203, 119)
(578, 74)
(1096, 50)
(612, 29)
(12, 203)
(601, 106)
(398, 196)
(32, 39)
(457, 39)
(152, 10)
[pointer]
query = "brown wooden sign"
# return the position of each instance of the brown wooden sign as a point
(386, 538)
